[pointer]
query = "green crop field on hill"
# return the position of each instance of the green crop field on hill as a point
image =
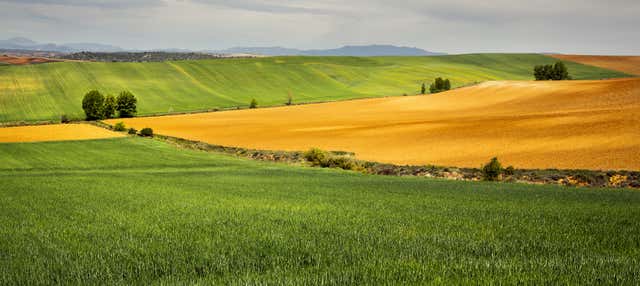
(47, 91)
(140, 211)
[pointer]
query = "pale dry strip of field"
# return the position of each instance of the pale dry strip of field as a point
(626, 64)
(567, 124)
(57, 132)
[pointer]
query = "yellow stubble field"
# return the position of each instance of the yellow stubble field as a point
(562, 124)
(55, 132)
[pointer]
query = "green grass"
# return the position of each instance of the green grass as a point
(46, 91)
(139, 211)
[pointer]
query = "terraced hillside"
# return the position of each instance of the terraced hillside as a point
(137, 211)
(46, 91)
(528, 124)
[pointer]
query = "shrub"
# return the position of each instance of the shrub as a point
(253, 103)
(119, 127)
(316, 156)
(509, 171)
(109, 107)
(423, 88)
(289, 99)
(126, 104)
(92, 104)
(341, 162)
(64, 119)
(146, 132)
(132, 131)
(492, 170)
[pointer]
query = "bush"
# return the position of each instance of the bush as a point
(289, 99)
(92, 104)
(109, 107)
(316, 156)
(132, 131)
(253, 103)
(325, 159)
(64, 119)
(341, 162)
(126, 104)
(492, 170)
(146, 132)
(509, 171)
(119, 127)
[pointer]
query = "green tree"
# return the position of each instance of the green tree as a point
(557, 71)
(560, 71)
(253, 103)
(92, 104)
(126, 104)
(447, 84)
(492, 170)
(109, 107)
(423, 89)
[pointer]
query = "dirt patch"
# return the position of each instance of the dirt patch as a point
(626, 64)
(55, 132)
(530, 125)
(25, 60)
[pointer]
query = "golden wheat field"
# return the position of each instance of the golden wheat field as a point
(626, 64)
(57, 132)
(566, 124)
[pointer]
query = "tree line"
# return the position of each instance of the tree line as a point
(438, 85)
(97, 106)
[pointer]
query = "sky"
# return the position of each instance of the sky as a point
(451, 26)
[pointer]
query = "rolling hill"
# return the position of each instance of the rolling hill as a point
(626, 64)
(45, 92)
(528, 124)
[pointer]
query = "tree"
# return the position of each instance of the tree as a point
(126, 104)
(109, 107)
(423, 90)
(492, 170)
(557, 71)
(560, 71)
(92, 104)
(253, 103)
(440, 85)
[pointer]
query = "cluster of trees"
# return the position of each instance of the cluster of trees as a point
(493, 170)
(557, 71)
(438, 85)
(97, 106)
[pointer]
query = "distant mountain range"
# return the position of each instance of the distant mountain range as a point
(28, 44)
(362, 51)
(20, 43)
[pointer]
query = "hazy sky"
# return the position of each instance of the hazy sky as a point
(452, 26)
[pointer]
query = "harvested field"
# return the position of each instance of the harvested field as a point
(567, 124)
(57, 132)
(626, 64)
(25, 60)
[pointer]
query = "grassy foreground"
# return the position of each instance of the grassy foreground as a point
(46, 91)
(138, 211)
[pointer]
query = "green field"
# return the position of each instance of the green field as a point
(46, 91)
(139, 211)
